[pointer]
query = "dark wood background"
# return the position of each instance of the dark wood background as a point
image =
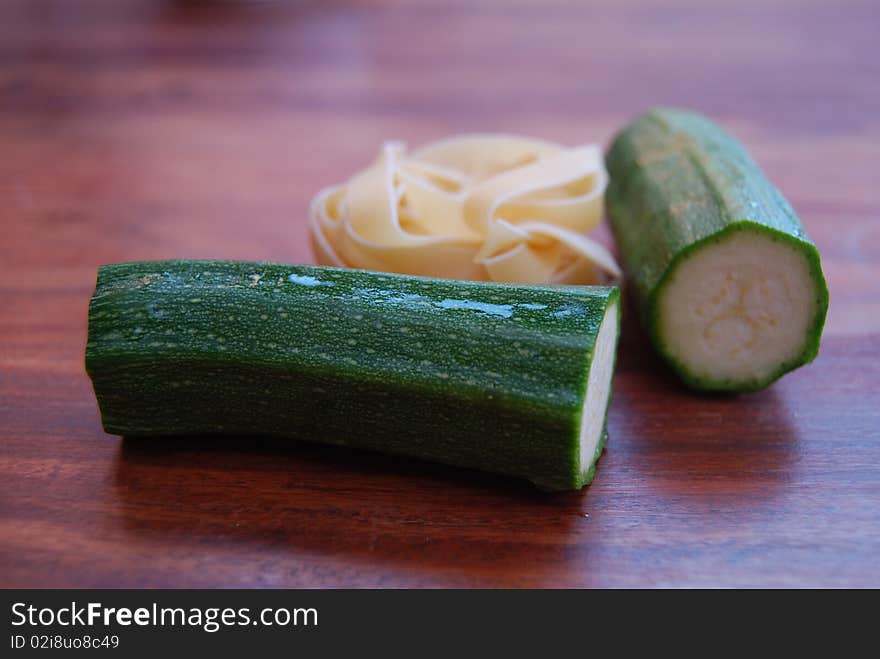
(150, 129)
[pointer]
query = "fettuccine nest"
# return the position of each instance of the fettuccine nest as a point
(486, 207)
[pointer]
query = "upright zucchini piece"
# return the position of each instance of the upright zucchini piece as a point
(509, 379)
(729, 286)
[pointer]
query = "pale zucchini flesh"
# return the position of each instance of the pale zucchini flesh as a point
(503, 378)
(738, 310)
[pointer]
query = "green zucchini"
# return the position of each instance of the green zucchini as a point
(503, 378)
(728, 285)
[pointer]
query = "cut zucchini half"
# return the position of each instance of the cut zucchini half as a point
(727, 283)
(504, 378)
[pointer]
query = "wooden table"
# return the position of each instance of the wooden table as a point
(141, 130)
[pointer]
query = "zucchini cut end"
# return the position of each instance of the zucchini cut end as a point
(741, 308)
(594, 414)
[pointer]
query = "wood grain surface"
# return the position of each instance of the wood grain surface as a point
(148, 129)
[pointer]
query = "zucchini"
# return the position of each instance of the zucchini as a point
(728, 285)
(504, 378)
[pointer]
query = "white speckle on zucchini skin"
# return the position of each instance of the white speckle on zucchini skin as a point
(307, 280)
(503, 310)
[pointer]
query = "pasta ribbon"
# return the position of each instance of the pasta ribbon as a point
(485, 207)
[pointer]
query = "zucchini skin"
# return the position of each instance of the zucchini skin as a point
(679, 182)
(488, 376)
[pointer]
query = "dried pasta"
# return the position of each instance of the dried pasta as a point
(485, 207)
